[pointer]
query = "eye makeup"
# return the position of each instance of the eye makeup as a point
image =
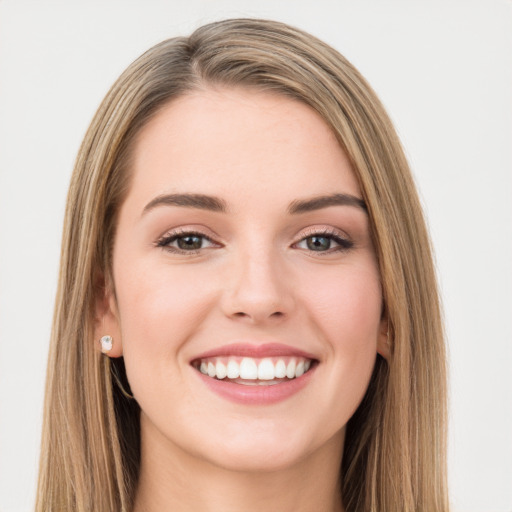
(323, 241)
(316, 240)
(184, 241)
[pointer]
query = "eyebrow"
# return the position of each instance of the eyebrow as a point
(215, 204)
(201, 201)
(319, 202)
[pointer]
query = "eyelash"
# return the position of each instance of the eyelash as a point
(343, 244)
(169, 238)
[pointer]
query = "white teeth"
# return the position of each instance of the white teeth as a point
(233, 370)
(266, 370)
(280, 370)
(290, 369)
(221, 370)
(248, 369)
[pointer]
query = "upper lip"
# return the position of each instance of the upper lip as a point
(256, 351)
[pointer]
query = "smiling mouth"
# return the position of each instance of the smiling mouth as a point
(251, 371)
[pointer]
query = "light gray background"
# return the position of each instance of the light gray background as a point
(443, 69)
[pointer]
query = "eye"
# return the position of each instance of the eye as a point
(183, 242)
(324, 242)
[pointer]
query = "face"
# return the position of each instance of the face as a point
(247, 300)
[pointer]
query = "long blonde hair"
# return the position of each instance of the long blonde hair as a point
(394, 457)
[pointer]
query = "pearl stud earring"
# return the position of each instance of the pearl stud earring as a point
(106, 344)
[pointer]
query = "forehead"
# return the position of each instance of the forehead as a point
(242, 143)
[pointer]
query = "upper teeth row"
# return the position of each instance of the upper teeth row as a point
(252, 369)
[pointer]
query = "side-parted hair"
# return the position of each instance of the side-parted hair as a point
(394, 456)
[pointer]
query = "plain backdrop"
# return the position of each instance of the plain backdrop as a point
(443, 69)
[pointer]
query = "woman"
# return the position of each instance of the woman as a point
(244, 242)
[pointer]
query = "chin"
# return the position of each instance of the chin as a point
(257, 459)
(259, 450)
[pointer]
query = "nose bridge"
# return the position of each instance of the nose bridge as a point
(257, 288)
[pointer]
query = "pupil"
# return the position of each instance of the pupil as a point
(318, 243)
(190, 242)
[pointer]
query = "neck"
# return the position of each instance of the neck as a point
(172, 479)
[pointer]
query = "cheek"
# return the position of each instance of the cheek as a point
(156, 297)
(347, 312)
(348, 306)
(160, 308)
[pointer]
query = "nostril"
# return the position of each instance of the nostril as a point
(242, 314)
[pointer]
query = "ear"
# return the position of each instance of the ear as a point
(384, 338)
(106, 318)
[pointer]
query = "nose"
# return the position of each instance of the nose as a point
(258, 289)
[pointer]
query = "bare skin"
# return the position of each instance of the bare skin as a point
(309, 485)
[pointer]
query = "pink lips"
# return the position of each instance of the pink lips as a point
(256, 351)
(256, 394)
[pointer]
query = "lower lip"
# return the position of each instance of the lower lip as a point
(257, 394)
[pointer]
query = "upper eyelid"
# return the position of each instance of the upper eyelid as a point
(189, 230)
(316, 230)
